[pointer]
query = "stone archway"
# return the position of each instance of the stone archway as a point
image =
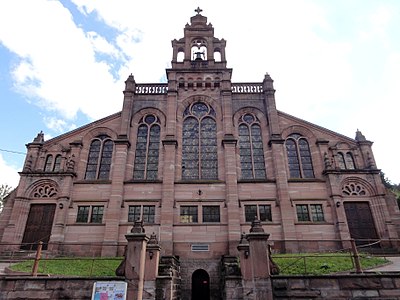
(200, 285)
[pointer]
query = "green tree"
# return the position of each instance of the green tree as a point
(5, 189)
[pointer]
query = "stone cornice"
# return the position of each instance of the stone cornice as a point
(349, 172)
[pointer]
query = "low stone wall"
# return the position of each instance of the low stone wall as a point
(335, 287)
(22, 288)
(338, 287)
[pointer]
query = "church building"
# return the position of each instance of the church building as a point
(198, 159)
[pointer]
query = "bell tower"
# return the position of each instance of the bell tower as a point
(198, 48)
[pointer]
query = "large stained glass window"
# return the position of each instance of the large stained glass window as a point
(299, 157)
(251, 148)
(199, 145)
(99, 158)
(147, 148)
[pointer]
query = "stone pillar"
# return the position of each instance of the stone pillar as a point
(135, 257)
(256, 266)
(245, 263)
(169, 279)
(14, 230)
(126, 114)
(231, 278)
(57, 234)
(151, 268)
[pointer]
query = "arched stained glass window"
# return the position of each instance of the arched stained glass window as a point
(251, 148)
(49, 163)
(349, 161)
(57, 163)
(199, 143)
(99, 158)
(299, 157)
(341, 162)
(147, 148)
(345, 161)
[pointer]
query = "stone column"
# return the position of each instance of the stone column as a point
(135, 261)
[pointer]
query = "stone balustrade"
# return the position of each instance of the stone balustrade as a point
(144, 88)
(244, 88)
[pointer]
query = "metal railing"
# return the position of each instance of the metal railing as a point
(291, 256)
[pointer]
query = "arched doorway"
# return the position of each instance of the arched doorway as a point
(200, 285)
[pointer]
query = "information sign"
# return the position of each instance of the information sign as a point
(109, 290)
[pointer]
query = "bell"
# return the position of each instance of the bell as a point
(198, 56)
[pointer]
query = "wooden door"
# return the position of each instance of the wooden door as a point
(361, 223)
(38, 226)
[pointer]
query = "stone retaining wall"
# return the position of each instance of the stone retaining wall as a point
(335, 287)
(338, 287)
(23, 288)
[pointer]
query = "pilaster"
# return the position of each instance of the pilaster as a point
(232, 199)
(112, 218)
(168, 196)
(282, 186)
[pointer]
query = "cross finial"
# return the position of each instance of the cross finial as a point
(198, 10)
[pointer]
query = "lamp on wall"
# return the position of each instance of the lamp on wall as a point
(151, 254)
(338, 204)
(61, 206)
(246, 254)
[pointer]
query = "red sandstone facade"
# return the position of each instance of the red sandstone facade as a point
(197, 159)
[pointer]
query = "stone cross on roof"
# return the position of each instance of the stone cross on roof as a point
(198, 10)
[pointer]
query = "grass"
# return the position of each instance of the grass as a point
(289, 264)
(72, 266)
(322, 263)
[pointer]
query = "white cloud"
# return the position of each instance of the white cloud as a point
(8, 174)
(55, 124)
(340, 81)
(58, 63)
(101, 45)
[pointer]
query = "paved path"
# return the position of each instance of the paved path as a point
(393, 267)
(3, 266)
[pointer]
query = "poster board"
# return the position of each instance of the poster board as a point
(109, 290)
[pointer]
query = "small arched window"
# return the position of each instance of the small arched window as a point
(147, 148)
(199, 83)
(341, 162)
(180, 56)
(199, 50)
(251, 148)
(345, 161)
(217, 56)
(199, 145)
(181, 83)
(49, 163)
(99, 158)
(299, 157)
(350, 161)
(57, 163)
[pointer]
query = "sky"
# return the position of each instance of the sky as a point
(334, 63)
